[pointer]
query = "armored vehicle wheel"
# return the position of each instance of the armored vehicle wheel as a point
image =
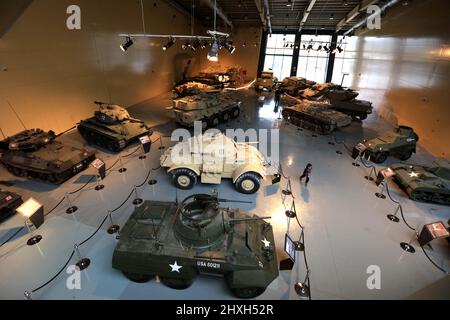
(112, 146)
(138, 278)
(225, 117)
(213, 121)
(177, 284)
(380, 157)
(247, 293)
(184, 179)
(19, 172)
(248, 183)
(405, 156)
(235, 113)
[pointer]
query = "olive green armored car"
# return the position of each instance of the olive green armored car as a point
(400, 143)
(211, 157)
(178, 242)
(210, 109)
(266, 82)
(37, 154)
(425, 183)
(112, 128)
(315, 116)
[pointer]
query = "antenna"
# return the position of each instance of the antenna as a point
(14, 111)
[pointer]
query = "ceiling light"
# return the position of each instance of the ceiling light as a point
(169, 44)
(332, 16)
(127, 44)
(289, 3)
(229, 47)
(213, 55)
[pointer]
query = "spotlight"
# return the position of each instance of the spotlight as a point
(203, 44)
(169, 44)
(231, 49)
(339, 49)
(184, 46)
(213, 55)
(127, 44)
(196, 45)
(319, 48)
(310, 47)
(289, 3)
(332, 16)
(326, 48)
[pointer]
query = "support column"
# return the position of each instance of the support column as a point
(296, 54)
(331, 58)
(262, 53)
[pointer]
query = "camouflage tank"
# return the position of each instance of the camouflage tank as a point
(35, 153)
(211, 109)
(315, 116)
(213, 157)
(267, 81)
(425, 183)
(178, 242)
(9, 202)
(294, 85)
(400, 143)
(112, 128)
(194, 88)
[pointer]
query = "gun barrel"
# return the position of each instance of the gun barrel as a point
(248, 219)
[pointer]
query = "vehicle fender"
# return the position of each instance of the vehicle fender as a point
(248, 279)
(194, 168)
(259, 169)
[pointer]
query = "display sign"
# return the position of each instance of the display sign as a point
(432, 231)
(384, 174)
(146, 143)
(100, 166)
(358, 150)
(32, 210)
(289, 247)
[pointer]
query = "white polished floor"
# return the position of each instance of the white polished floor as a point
(346, 229)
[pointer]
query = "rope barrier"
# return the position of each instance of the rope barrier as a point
(12, 237)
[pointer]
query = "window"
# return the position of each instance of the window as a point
(313, 63)
(279, 51)
(344, 63)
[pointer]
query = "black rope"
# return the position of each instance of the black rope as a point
(401, 209)
(84, 186)
(96, 231)
(12, 237)
(56, 275)
(56, 206)
(114, 164)
(434, 263)
(350, 150)
(130, 154)
(306, 264)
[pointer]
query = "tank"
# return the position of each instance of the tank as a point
(209, 158)
(425, 183)
(400, 143)
(266, 82)
(112, 128)
(211, 109)
(315, 116)
(294, 85)
(37, 154)
(178, 242)
(194, 88)
(9, 202)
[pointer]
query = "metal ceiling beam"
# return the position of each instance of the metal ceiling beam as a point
(354, 13)
(306, 14)
(220, 12)
(268, 21)
(177, 6)
(259, 7)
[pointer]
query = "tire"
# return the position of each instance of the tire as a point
(213, 121)
(247, 293)
(405, 156)
(248, 183)
(380, 157)
(177, 284)
(235, 113)
(225, 117)
(138, 278)
(184, 179)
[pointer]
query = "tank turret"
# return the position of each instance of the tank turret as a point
(111, 114)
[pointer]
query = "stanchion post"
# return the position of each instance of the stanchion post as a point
(27, 295)
(380, 194)
(302, 288)
(71, 209)
(369, 177)
(114, 228)
(408, 246)
(122, 168)
(83, 263)
(161, 146)
(394, 217)
(98, 181)
(137, 201)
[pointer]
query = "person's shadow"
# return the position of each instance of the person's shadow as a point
(304, 193)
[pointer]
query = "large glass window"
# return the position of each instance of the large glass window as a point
(345, 62)
(313, 61)
(279, 53)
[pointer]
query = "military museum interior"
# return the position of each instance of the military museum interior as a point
(224, 150)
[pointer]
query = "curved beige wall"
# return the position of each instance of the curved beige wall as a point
(55, 74)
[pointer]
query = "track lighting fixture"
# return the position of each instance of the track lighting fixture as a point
(127, 44)
(289, 3)
(213, 55)
(195, 45)
(231, 49)
(169, 44)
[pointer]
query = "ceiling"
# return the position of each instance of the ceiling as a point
(10, 11)
(324, 15)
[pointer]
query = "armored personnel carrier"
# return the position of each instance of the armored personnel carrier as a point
(315, 116)
(195, 88)
(177, 242)
(112, 128)
(37, 154)
(267, 81)
(9, 202)
(425, 183)
(400, 143)
(212, 157)
(210, 109)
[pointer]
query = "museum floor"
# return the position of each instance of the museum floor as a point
(346, 229)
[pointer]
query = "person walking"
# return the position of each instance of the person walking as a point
(278, 94)
(306, 174)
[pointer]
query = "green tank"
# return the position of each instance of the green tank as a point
(112, 128)
(400, 143)
(315, 116)
(425, 183)
(9, 202)
(178, 242)
(210, 109)
(37, 154)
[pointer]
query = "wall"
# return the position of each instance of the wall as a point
(54, 74)
(405, 69)
(245, 56)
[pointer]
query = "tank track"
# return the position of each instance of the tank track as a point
(430, 197)
(219, 115)
(307, 122)
(101, 140)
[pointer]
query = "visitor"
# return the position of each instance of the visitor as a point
(307, 174)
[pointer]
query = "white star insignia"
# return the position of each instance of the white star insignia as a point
(175, 267)
(266, 243)
(414, 175)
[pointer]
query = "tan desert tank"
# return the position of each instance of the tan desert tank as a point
(193, 88)
(210, 109)
(293, 85)
(267, 81)
(213, 157)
